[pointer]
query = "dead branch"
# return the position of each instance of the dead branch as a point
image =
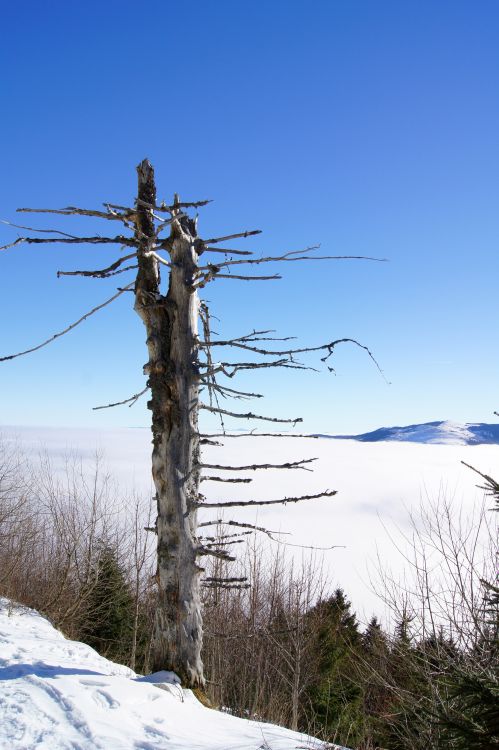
(40, 231)
(119, 240)
(98, 274)
(226, 585)
(252, 433)
(131, 401)
(213, 276)
(221, 554)
(116, 207)
(69, 328)
(73, 210)
(238, 480)
(229, 369)
(311, 546)
(329, 348)
(280, 501)
(103, 272)
(253, 336)
(240, 525)
(152, 254)
(214, 579)
(240, 344)
(249, 415)
(216, 240)
(163, 207)
(270, 534)
(294, 255)
(226, 536)
(210, 382)
(256, 467)
(223, 250)
(229, 392)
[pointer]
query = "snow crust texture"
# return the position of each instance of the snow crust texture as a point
(57, 694)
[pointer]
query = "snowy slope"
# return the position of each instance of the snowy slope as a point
(57, 694)
(441, 433)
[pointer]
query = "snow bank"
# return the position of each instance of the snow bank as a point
(57, 694)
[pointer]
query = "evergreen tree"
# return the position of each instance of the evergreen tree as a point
(402, 726)
(109, 612)
(470, 713)
(373, 676)
(470, 719)
(335, 698)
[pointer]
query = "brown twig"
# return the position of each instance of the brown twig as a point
(237, 480)
(131, 401)
(248, 415)
(225, 250)
(252, 433)
(119, 240)
(74, 211)
(103, 272)
(256, 467)
(280, 501)
(294, 255)
(216, 240)
(213, 276)
(69, 328)
(40, 231)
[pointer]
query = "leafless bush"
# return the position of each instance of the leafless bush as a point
(17, 531)
(256, 644)
(447, 556)
(55, 527)
(440, 606)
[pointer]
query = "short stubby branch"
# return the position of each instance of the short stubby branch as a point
(279, 501)
(248, 415)
(256, 467)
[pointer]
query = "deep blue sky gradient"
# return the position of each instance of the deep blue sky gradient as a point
(369, 127)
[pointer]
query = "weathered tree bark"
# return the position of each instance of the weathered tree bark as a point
(171, 325)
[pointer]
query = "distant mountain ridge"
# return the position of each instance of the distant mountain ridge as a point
(442, 433)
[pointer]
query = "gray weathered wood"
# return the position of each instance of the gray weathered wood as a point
(171, 326)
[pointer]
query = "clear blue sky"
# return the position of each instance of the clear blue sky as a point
(370, 127)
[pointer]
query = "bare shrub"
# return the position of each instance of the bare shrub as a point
(443, 638)
(256, 645)
(448, 555)
(58, 528)
(17, 531)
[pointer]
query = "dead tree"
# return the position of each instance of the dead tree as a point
(180, 365)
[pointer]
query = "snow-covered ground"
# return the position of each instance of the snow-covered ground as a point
(57, 694)
(378, 484)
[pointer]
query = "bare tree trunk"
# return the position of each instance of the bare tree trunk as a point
(171, 325)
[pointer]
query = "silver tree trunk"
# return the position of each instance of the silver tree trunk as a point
(171, 325)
